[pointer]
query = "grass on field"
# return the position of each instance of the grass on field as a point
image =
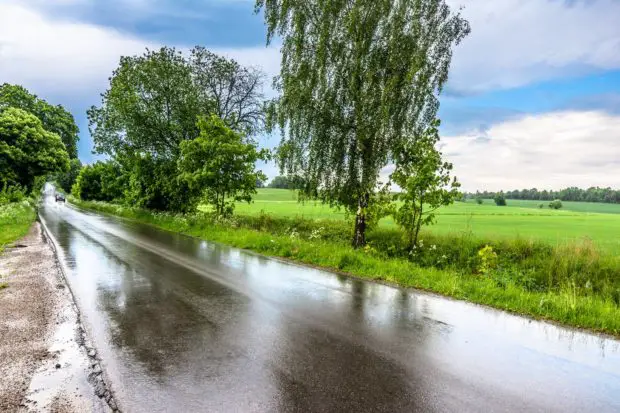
(575, 284)
(575, 222)
(15, 220)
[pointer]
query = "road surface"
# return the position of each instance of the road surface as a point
(184, 325)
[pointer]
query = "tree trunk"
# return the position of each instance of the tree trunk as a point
(359, 236)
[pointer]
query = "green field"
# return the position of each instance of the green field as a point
(576, 221)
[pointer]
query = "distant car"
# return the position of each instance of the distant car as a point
(60, 198)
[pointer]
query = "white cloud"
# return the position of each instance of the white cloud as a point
(58, 57)
(552, 151)
(518, 42)
(68, 59)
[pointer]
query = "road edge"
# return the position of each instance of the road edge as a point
(97, 378)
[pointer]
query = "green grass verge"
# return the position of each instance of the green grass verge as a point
(15, 220)
(574, 285)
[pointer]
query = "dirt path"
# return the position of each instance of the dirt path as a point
(42, 364)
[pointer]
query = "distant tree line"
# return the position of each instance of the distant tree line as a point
(592, 194)
(286, 182)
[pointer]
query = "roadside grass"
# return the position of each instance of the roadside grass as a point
(15, 220)
(576, 284)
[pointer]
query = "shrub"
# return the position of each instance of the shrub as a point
(488, 260)
(479, 201)
(499, 199)
(10, 194)
(555, 204)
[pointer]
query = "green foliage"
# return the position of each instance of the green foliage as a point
(10, 194)
(488, 260)
(479, 201)
(67, 179)
(152, 106)
(27, 151)
(152, 183)
(286, 182)
(555, 204)
(356, 78)
(55, 119)
(98, 182)
(220, 164)
(425, 182)
(500, 199)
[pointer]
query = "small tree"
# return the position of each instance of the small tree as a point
(425, 182)
(555, 204)
(500, 199)
(479, 201)
(221, 164)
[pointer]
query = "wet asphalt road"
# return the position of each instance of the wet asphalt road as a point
(183, 325)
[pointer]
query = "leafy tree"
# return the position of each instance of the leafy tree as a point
(425, 182)
(55, 119)
(27, 150)
(555, 204)
(220, 164)
(479, 200)
(149, 108)
(356, 78)
(234, 90)
(99, 182)
(153, 183)
(499, 199)
(67, 179)
(152, 105)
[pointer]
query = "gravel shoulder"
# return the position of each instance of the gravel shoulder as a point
(44, 360)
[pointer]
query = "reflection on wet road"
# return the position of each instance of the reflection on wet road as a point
(183, 325)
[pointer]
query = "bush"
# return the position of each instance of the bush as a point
(98, 182)
(479, 201)
(500, 200)
(555, 204)
(10, 194)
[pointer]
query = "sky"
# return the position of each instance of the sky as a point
(533, 98)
